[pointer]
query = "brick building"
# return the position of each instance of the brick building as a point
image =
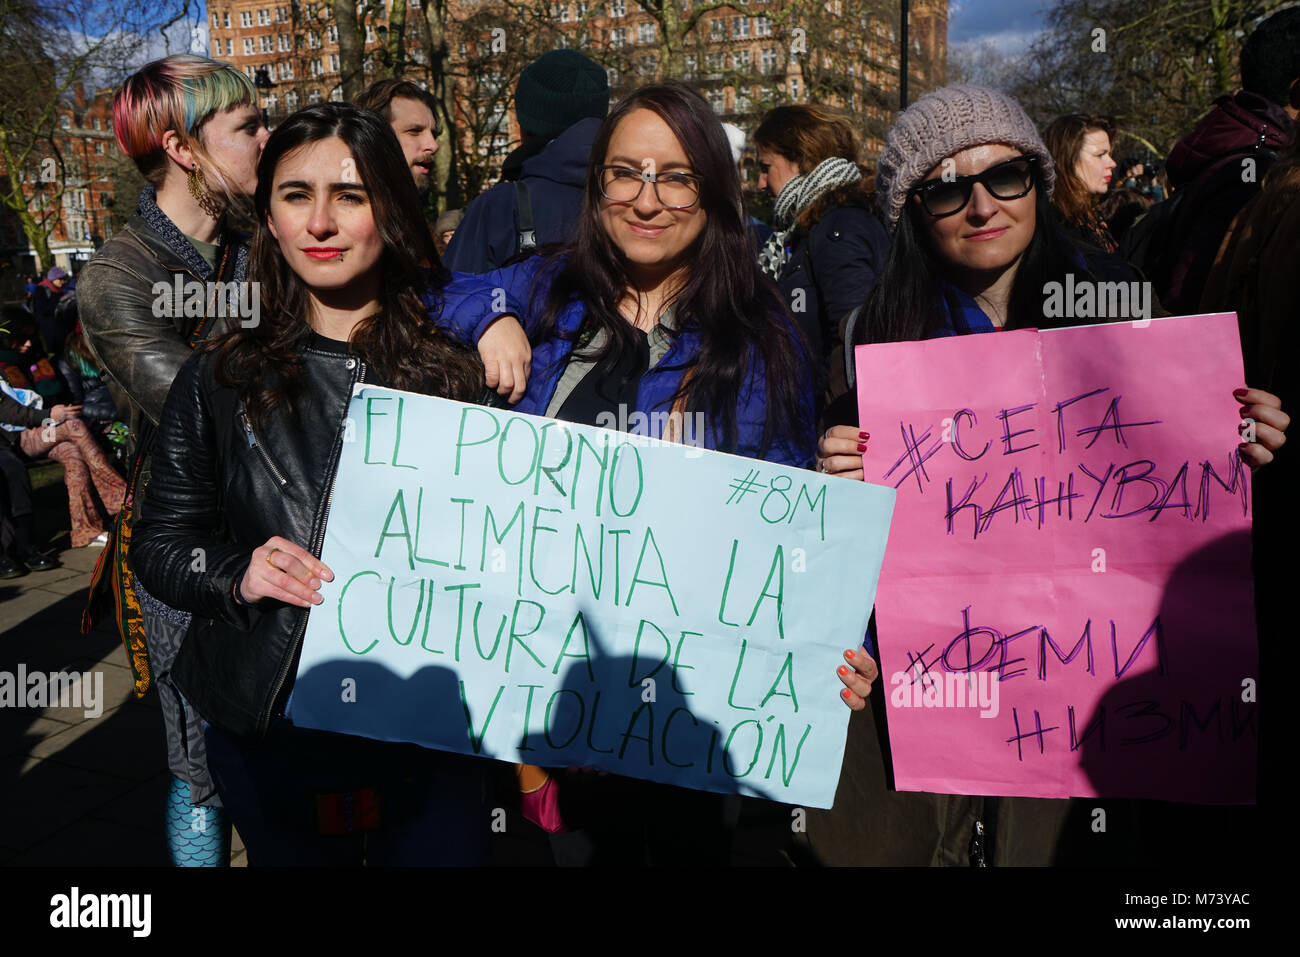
(69, 189)
(745, 60)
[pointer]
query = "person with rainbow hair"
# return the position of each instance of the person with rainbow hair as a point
(192, 127)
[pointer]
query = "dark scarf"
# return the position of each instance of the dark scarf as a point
(179, 243)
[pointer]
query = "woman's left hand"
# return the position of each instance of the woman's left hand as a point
(857, 676)
(1269, 425)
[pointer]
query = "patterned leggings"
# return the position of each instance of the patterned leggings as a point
(84, 464)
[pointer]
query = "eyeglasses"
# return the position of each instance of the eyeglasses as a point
(623, 184)
(1009, 180)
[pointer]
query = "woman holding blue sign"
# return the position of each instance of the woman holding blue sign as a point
(964, 184)
(244, 465)
(654, 319)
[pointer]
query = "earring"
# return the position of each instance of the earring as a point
(202, 195)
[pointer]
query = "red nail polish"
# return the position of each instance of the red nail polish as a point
(849, 655)
(843, 669)
(862, 446)
(844, 693)
(864, 436)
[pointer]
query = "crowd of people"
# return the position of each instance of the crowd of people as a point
(634, 279)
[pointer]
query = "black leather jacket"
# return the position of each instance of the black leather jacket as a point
(139, 350)
(221, 488)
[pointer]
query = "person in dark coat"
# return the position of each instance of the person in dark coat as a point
(45, 301)
(828, 246)
(560, 101)
(1219, 166)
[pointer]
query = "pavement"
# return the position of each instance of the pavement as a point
(76, 790)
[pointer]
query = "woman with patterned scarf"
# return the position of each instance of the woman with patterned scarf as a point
(147, 298)
(828, 246)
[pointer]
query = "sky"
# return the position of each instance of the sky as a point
(1008, 24)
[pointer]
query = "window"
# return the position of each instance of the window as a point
(246, 18)
(646, 66)
(370, 33)
(645, 33)
(263, 18)
(285, 43)
(768, 60)
(740, 27)
(272, 103)
(216, 21)
(281, 14)
(313, 96)
(740, 60)
(286, 70)
(95, 124)
(762, 27)
(617, 37)
(248, 46)
(264, 43)
(794, 87)
(226, 17)
(248, 71)
(291, 100)
(336, 94)
(713, 63)
(230, 47)
(332, 33)
(99, 149)
(560, 12)
(65, 122)
(717, 29)
(314, 67)
(691, 66)
(313, 40)
(618, 8)
(613, 76)
(334, 63)
(582, 9)
(717, 100)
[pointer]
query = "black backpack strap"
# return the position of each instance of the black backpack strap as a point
(527, 235)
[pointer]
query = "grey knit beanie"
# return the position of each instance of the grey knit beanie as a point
(945, 122)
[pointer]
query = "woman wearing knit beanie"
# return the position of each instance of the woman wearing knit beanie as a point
(1080, 148)
(828, 246)
(964, 183)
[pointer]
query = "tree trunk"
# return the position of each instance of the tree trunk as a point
(352, 48)
(396, 47)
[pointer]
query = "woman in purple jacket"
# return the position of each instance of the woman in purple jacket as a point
(654, 319)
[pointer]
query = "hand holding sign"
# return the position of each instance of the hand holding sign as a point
(544, 593)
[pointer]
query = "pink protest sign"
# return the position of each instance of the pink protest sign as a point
(1066, 602)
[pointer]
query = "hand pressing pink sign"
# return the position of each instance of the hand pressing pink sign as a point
(1066, 603)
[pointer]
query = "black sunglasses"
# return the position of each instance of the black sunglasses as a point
(1008, 180)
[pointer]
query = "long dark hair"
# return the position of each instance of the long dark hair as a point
(408, 352)
(905, 304)
(737, 311)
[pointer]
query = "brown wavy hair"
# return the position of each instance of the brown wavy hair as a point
(1064, 138)
(809, 135)
(262, 362)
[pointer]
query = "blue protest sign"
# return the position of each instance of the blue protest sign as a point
(536, 591)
